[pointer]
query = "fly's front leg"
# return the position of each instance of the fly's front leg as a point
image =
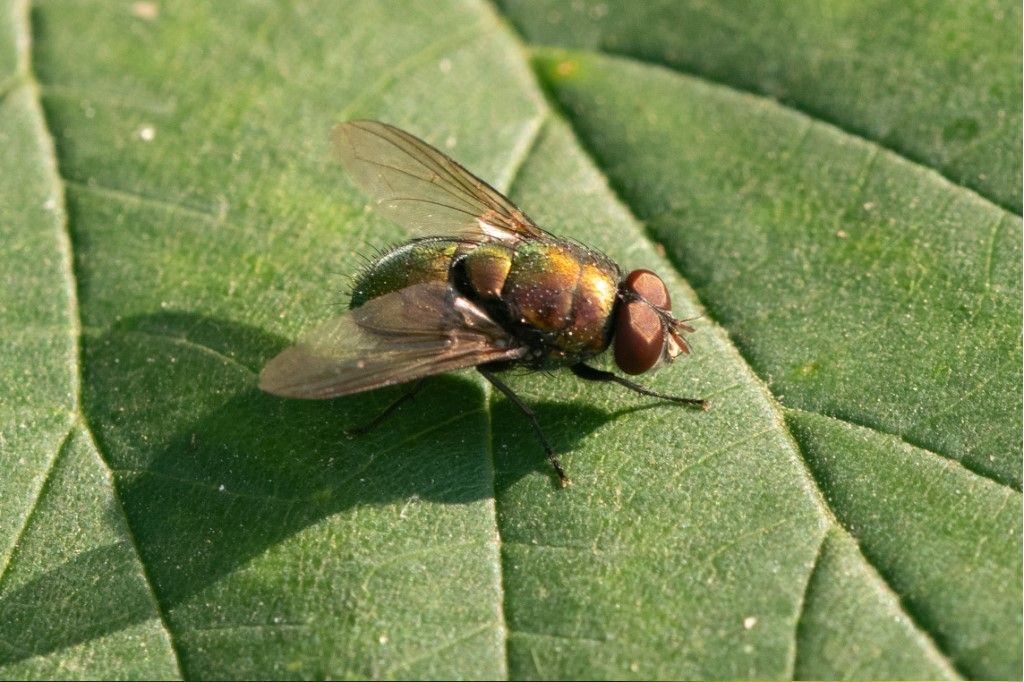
(593, 374)
(563, 480)
(387, 412)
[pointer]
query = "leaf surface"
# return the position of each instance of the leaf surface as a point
(850, 507)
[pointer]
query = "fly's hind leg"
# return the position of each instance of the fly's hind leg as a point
(593, 374)
(387, 412)
(563, 480)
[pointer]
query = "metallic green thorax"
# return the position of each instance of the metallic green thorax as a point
(554, 296)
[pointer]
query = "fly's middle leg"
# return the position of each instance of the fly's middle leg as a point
(386, 412)
(563, 480)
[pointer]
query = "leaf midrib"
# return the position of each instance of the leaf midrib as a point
(24, 39)
(789, 104)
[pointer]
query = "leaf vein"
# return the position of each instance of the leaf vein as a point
(792, 106)
(990, 256)
(438, 649)
(284, 625)
(802, 610)
(571, 638)
(391, 75)
(38, 496)
(921, 630)
(206, 214)
(10, 85)
(65, 240)
(849, 423)
(186, 342)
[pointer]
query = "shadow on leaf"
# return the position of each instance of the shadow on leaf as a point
(211, 472)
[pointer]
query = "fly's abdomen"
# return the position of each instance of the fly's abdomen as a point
(425, 260)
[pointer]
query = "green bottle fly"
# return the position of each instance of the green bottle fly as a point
(483, 287)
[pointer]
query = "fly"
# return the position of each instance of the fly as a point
(480, 286)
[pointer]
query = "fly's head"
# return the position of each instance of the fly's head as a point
(646, 333)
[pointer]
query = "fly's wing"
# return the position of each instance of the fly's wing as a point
(420, 188)
(415, 332)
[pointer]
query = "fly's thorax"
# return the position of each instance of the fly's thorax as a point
(564, 292)
(594, 304)
(416, 262)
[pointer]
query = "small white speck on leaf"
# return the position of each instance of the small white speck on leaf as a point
(749, 622)
(445, 65)
(221, 487)
(147, 133)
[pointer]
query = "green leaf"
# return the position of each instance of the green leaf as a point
(849, 507)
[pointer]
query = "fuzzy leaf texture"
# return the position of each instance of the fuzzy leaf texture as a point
(833, 188)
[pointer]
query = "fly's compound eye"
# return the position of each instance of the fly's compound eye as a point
(639, 328)
(648, 286)
(639, 337)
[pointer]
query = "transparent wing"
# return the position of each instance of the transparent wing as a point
(418, 331)
(417, 186)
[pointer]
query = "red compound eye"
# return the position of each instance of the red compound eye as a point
(639, 329)
(639, 337)
(649, 285)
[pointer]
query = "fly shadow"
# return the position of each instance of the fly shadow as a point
(211, 472)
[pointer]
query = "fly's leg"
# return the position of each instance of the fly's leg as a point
(387, 412)
(593, 374)
(563, 480)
